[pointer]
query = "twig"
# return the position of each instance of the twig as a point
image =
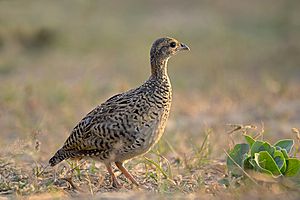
(44, 168)
(69, 180)
(80, 164)
(90, 184)
(297, 132)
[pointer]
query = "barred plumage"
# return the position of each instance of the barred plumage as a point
(127, 124)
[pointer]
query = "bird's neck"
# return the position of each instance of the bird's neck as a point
(159, 69)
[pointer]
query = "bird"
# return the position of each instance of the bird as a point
(128, 124)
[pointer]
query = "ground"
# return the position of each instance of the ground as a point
(58, 60)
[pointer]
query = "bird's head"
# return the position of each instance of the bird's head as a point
(164, 48)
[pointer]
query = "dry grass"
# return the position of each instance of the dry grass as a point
(193, 174)
(60, 59)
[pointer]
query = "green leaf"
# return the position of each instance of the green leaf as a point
(286, 156)
(293, 167)
(259, 146)
(280, 160)
(247, 163)
(266, 163)
(238, 154)
(257, 167)
(255, 147)
(249, 139)
(286, 144)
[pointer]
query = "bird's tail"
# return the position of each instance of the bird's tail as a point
(59, 156)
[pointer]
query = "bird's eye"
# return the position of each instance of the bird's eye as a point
(173, 44)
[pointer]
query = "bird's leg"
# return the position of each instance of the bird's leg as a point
(126, 173)
(115, 182)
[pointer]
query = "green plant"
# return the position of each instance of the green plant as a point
(263, 157)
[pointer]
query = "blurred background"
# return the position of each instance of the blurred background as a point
(59, 59)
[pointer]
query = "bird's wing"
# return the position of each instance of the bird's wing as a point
(98, 129)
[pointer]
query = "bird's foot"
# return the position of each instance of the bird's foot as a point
(116, 184)
(126, 173)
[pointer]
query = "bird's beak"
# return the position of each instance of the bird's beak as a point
(184, 47)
